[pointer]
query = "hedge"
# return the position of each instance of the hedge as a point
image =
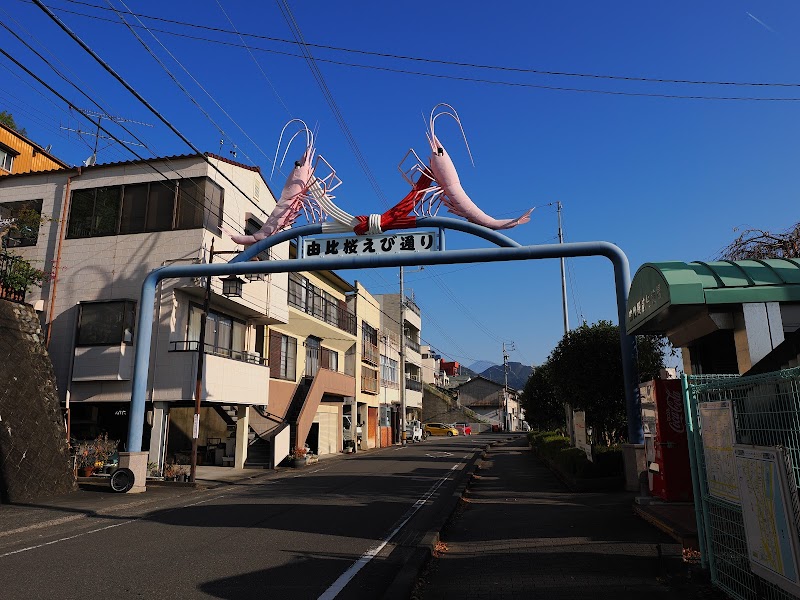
(555, 448)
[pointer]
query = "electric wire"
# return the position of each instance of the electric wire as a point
(474, 79)
(260, 68)
(172, 75)
(548, 72)
(141, 99)
(230, 223)
(100, 127)
(294, 27)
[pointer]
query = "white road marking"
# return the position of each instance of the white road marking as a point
(71, 537)
(345, 578)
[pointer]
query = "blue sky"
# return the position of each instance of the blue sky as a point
(664, 178)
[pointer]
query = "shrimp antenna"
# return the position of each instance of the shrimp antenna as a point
(454, 115)
(309, 142)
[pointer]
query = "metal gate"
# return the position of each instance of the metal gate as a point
(764, 411)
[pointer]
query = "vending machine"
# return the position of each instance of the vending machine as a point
(666, 445)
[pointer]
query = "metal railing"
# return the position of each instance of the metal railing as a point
(412, 306)
(320, 358)
(315, 304)
(238, 355)
(413, 385)
(760, 411)
(412, 344)
(370, 353)
(369, 382)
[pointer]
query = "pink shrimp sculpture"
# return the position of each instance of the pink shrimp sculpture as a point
(294, 195)
(448, 189)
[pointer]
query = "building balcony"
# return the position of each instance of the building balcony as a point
(413, 384)
(229, 377)
(412, 344)
(369, 383)
(370, 353)
(320, 307)
(241, 356)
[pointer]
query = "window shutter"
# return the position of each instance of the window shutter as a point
(275, 354)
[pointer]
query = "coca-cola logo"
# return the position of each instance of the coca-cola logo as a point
(675, 411)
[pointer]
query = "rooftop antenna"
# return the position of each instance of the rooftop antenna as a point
(96, 118)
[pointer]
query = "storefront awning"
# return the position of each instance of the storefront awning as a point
(666, 294)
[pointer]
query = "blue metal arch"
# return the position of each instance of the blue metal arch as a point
(508, 250)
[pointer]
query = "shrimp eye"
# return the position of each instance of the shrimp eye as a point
(297, 163)
(440, 151)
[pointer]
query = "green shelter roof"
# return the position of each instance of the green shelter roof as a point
(666, 293)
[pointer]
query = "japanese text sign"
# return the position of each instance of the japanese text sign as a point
(356, 245)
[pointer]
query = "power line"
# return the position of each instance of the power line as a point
(286, 11)
(172, 75)
(140, 98)
(471, 79)
(102, 109)
(447, 62)
(260, 68)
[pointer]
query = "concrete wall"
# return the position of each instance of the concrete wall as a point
(34, 457)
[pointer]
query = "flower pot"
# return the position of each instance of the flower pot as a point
(85, 471)
(299, 462)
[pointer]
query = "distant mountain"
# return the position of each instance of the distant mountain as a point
(517, 374)
(479, 366)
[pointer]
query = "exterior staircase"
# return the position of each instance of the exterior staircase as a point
(295, 407)
(259, 450)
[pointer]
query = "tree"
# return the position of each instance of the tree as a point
(585, 371)
(759, 243)
(543, 409)
(7, 119)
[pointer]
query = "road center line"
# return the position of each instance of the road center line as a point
(345, 578)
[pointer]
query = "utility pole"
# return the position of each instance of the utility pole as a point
(402, 360)
(506, 424)
(563, 273)
(201, 352)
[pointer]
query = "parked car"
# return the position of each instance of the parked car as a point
(463, 428)
(439, 429)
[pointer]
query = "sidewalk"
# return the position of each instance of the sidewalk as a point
(519, 533)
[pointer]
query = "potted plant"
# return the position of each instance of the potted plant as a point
(299, 457)
(84, 459)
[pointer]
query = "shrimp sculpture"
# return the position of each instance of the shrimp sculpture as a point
(447, 189)
(303, 191)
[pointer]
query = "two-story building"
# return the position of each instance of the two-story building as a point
(105, 228)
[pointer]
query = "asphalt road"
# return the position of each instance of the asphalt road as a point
(342, 527)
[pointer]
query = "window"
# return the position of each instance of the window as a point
(7, 158)
(225, 336)
(146, 207)
(388, 370)
(282, 356)
(106, 323)
(27, 216)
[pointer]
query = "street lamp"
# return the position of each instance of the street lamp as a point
(232, 286)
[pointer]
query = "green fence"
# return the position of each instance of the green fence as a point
(765, 411)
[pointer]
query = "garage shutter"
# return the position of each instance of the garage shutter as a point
(327, 432)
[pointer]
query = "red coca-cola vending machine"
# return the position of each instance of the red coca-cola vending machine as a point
(666, 446)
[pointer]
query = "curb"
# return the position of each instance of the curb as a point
(403, 584)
